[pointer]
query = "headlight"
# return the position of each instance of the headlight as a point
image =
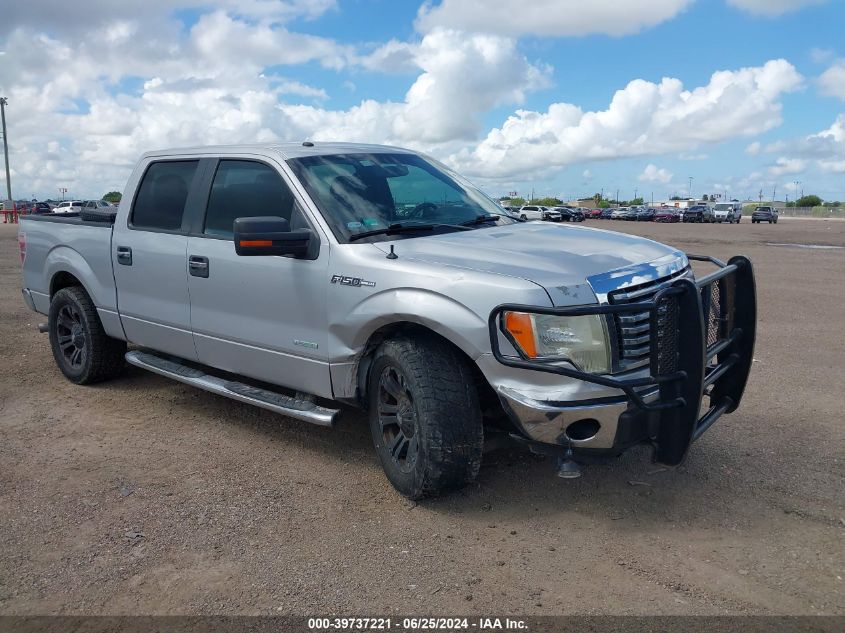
(580, 339)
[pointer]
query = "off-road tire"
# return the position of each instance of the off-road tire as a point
(100, 356)
(440, 402)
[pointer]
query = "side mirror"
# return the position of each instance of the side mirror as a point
(269, 236)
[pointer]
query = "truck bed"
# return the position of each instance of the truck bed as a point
(57, 242)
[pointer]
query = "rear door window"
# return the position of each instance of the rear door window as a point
(160, 203)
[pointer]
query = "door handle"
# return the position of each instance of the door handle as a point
(124, 255)
(198, 266)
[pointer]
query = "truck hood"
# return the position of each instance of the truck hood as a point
(572, 263)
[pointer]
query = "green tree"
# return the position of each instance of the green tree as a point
(546, 202)
(113, 197)
(808, 201)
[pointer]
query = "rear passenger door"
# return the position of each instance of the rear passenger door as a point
(262, 317)
(149, 251)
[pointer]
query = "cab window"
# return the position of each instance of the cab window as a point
(244, 188)
(160, 203)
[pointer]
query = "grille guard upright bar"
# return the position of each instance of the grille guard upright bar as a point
(681, 391)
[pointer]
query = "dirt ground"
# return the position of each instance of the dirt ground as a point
(144, 496)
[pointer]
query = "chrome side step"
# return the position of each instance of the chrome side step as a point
(280, 403)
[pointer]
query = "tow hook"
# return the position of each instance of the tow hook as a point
(43, 328)
(568, 468)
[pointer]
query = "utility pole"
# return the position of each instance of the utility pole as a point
(3, 102)
(690, 187)
(635, 193)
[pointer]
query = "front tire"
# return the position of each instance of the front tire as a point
(425, 417)
(83, 351)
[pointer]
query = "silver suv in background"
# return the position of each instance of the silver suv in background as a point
(295, 277)
(764, 214)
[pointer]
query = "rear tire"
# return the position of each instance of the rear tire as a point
(425, 417)
(83, 351)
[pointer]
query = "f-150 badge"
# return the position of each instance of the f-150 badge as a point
(352, 281)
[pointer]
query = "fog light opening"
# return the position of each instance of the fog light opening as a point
(582, 430)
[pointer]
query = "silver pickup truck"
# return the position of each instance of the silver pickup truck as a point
(299, 276)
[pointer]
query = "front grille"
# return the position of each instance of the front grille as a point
(716, 319)
(632, 330)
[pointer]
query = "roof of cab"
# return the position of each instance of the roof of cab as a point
(286, 150)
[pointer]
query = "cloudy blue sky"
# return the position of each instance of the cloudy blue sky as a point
(564, 97)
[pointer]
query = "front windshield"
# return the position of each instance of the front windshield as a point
(358, 193)
(723, 207)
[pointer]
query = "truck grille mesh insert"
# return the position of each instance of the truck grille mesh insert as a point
(667, 335)
(633, 329)
(713, 313)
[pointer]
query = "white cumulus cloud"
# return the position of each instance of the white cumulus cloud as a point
(784, 166)
(832, 81)
(654, 174)
(462, 77)
(548, 17)
(643, 118)
(773, 7)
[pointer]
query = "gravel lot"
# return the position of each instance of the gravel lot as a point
(145, 496)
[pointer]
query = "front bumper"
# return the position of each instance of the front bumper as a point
(702, 344)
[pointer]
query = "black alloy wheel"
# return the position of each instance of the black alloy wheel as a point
(398, 419)
(70, 333)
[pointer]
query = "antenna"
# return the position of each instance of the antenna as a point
(391, 254)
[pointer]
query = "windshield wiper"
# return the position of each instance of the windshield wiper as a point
(480, 220)
(392, 228)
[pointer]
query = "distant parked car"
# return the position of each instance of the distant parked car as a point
(764, 214)
(69, 206)
(536, 212)
(667, 214)
(568, 214)
(725, 212)
(694, 213)
(618, 213)
(96, 204)
(510, 211)
(41, 208)
(606, 214)
(552, 215)
(645, 214)
(595, 214)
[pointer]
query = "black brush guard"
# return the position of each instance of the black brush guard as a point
(702, 344)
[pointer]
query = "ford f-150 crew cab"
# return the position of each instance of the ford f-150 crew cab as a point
(298, 276)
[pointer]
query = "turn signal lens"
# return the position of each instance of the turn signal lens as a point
(256, 242)
(521, 327)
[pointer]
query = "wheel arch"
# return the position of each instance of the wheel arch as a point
(64, 279)
(65, 266)
(412, 329)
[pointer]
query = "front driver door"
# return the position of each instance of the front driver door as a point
(262, 317)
